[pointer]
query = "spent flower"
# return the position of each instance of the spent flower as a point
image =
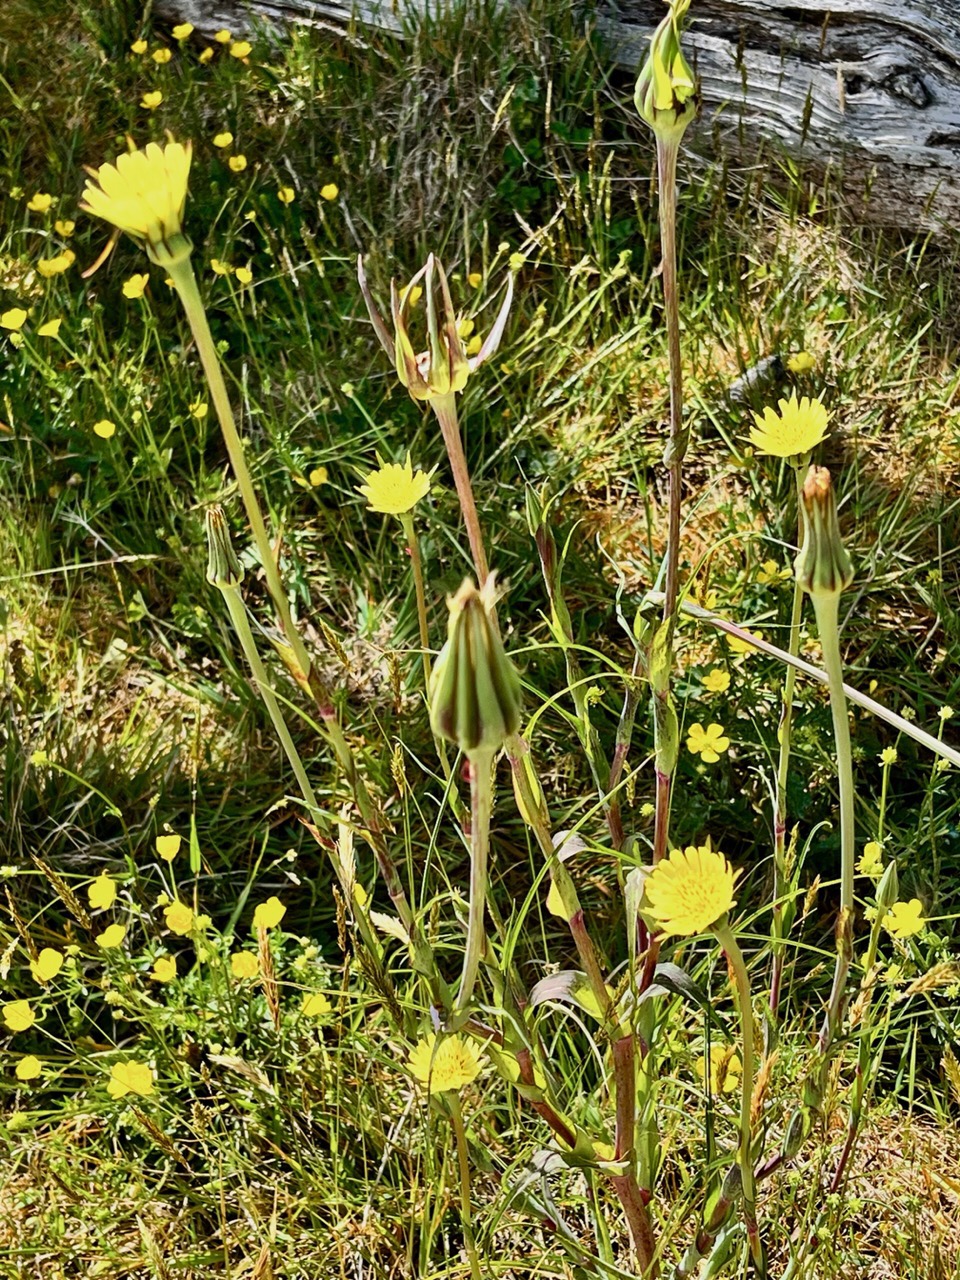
(822, 565)
(666, 94)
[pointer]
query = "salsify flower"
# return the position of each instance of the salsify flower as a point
(130, 1077)
(707, 743)
(447, 1064)
(395, 488)
(144, 194)
(793, 432)
(690, 890)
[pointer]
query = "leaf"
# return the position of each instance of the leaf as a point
(633, 896)
(670, 980)
(570, 986)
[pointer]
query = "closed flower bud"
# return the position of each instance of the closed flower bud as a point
(666, 95)
(223, 567)
(822, 566)
(474, 688)
(888, 890)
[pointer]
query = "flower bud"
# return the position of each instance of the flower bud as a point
(223, 567)
(822, 565)
(666, 95)
(474, 686)
(888, 890)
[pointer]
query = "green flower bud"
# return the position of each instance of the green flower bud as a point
(888, 890)
(223, 567)
(474, 687)
(822, 565)
(666, 95)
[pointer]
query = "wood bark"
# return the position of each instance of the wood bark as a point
(867, 91)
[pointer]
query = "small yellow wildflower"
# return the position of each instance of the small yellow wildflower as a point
(690, 890)
(164, 969)
(206, 54)
(244, 964)
(793, 432)
(13, 319)
(182, 31)
(198, 409)
(717, 680)
(395, 489)
(151, 99)
(136, 285)
(317, 477)
(179, 918)
(771, 572)
(801, 362)
(112, 936)
(741, 646)
(412, 294)
(315, 1005)
(449, 1064)
(223, 36)
(223, 139)
(709, 743)
(28, 1068)
(904, 919)
(724, 1068)
(330, 191)
(50, 329)
(516, 261)
(168, 846)
(474, 345)
(138, 47)
(871, 861)
(130, 1077)
(47, 964)
(647, 810)
(40, 202)
(65, 227)
(104, 429)
(945, 713)
(286, 195)
(57, 265)
(240, 49)
(888, 755)
(244, 275)
(475, 279)
(220, 268)
(102, 892)
(465, 328)
(18, 1015)
(237, 164)
(268, 915)
(161, 56)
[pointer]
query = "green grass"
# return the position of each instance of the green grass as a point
(299, 1148)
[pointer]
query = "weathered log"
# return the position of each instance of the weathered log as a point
(865, 90)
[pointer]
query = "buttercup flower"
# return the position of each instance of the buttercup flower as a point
(40, 202)
(28, 1068)
(112, 936)
(206, 54)
(791, 433)
(244, 275)
(707, 743)
(315, 1005)
(103, 892)
(871, 862)
(770, 572)
(50, 329)
(223, 36)
(723, 1068)
(167, 847)
(57, 265)
(475, 279)
(690, 890)
(151, 100)
(161, 56)
(105, 429)
(904, 919)
(18, 1015)
(395, 489)
(198, 409)
(144, 194)
(449, 1064)
(182, 30)
(801, 362)
(237, 163)
(14, 319)
(164, 969)
(138, 47)
(222, 139)
(244, 964)
(179, 918)
(888, 755)
(47, 964)
(317, 477)
(240, 49)
(136, 285)
(286, 195)
(269, 914)
(130, 1077)
(329, 191)
(65, 227)
(717, 680)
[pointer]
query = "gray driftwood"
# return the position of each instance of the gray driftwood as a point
(868, 90)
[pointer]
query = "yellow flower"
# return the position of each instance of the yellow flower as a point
(516, 261)
(330, 191)
(888, 755)
(13, 319)
(182, 31)
(40, 202)
(164, 969)
(130, 1077)
(18, 1015)
(945, 713)
(904, 919)
(475, 279)
(206, 54)
(269, 914)
(223, 36)
(167, 847)
(220, 268)
(237, 163)
(240, 49)
(707, 743)
(138, 47)
(465, 328)
(741, 646)
(104, 429)
(801, 362)
(724, 1068)
(244, 964)
(50, 329)
(112, 936)
(151, 100)
(222, 139)
(28, 1068)
(395, 489)
(717, 680)
(318, 476)
(871, 863)
(144, 193)
(161, 56)
(65, 227)
(690, 890)
(135, 286)
(792, 432)
(56, 266)
(198, 409)
(286, 195)
(474, 345)
(102, 892)
(770, 572)
(179, 918)
(315, 1005)
(47, 964)
(244, 275)
(449, 1064)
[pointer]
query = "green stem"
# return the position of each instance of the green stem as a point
(445, 408)
(481, 807)
(463, 1160)
(416, 563)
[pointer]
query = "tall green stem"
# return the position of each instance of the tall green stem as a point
(463, 1161)
(481, 807)
(445, 408)
(416, 563)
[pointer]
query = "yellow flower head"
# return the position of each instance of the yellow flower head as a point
(40, 202)
(315, 1005)
(791, 433)
(161, 56)
(690, 890)
(717, 680)
(144, 194)
(395, 489)
(65, 227)
(317, 477)
(871, 862)
(723, 1068)
(105, 429)
(904, 919)
(164, 969)
(130, 1077)
(179, 918)
(136, 285)
(182, 31)
(50, 329)
(475, 279)
(244, 275)
(138, 47)
(13, 319)
(244, 964)
(801, 362)
(771, 572)
(329, 191)
(112, 936)
(102, 892)
(47, 964)
(29, 1068)
(268, 915)
(707, 743)
(223, 36)
(240, 49)
(237, 163)
(151, 99)
(18, 1015)
(167, 847)
(57, 265)
(286, 195)
(888, 755)
(198, 409)
(450, 1063)
(222, 139)
(206, 55)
